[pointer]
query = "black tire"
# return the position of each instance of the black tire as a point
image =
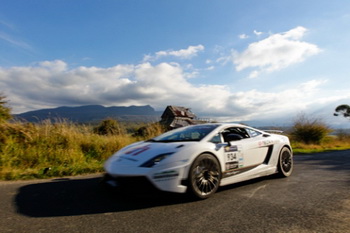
(285, 163)
(204, 176)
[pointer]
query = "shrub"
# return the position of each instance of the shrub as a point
(309, 131)
(108, 127)
(149, 131)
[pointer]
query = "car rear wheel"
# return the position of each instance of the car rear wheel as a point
(285, 162)
(204, 176)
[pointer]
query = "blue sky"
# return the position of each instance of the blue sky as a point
(228, 60)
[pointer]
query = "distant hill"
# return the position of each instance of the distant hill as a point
(93, 113)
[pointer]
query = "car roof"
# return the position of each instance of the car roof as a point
(228, 124)
(223, 125)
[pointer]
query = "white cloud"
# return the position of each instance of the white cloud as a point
(188, 53)
(257, 33)
(254, 74)
(243, 36)
(56, 66)
(257, 104)
(276, 52)
(52, 84)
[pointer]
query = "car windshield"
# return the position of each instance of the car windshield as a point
(190, 133)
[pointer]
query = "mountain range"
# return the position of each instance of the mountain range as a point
(97, 113)
(92, 114)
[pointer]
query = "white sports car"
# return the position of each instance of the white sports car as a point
(200, 158)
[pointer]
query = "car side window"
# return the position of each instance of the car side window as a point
(216, 139)
(236, 130)
(253, 133)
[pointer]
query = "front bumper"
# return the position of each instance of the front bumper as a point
(161, 178)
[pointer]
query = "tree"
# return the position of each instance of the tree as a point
(5, 112)
(343, 110)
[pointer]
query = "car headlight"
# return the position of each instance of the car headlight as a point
(156, 160)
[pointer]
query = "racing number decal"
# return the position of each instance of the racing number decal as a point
(233, 156)
(138, 150)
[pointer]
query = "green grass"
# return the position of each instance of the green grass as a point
(35, 151)
(328, 144)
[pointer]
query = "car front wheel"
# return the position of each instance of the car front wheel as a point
(204, 176)
(285, 163)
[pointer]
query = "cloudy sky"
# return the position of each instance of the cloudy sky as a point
(233, 60)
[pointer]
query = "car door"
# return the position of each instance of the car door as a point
(247, 151)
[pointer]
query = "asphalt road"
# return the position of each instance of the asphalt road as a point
(316, 198)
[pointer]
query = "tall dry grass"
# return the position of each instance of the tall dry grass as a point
(55, 149)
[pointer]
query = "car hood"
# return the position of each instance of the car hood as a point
(138, 153)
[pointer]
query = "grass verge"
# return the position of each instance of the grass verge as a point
(302, 148)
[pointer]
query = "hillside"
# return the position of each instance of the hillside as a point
(93, 113)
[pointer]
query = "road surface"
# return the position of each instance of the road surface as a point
(316, 198)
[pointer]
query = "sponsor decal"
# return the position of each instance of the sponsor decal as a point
(231, 165)
(230, 173)
(238, 171)
(231, 148)
(166, 175)
(240, 162)
(138, 150)
(265, 143)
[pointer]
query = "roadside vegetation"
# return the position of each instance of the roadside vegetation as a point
(53, 149)
(310, 135)
(331, 144)
(61, 148)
